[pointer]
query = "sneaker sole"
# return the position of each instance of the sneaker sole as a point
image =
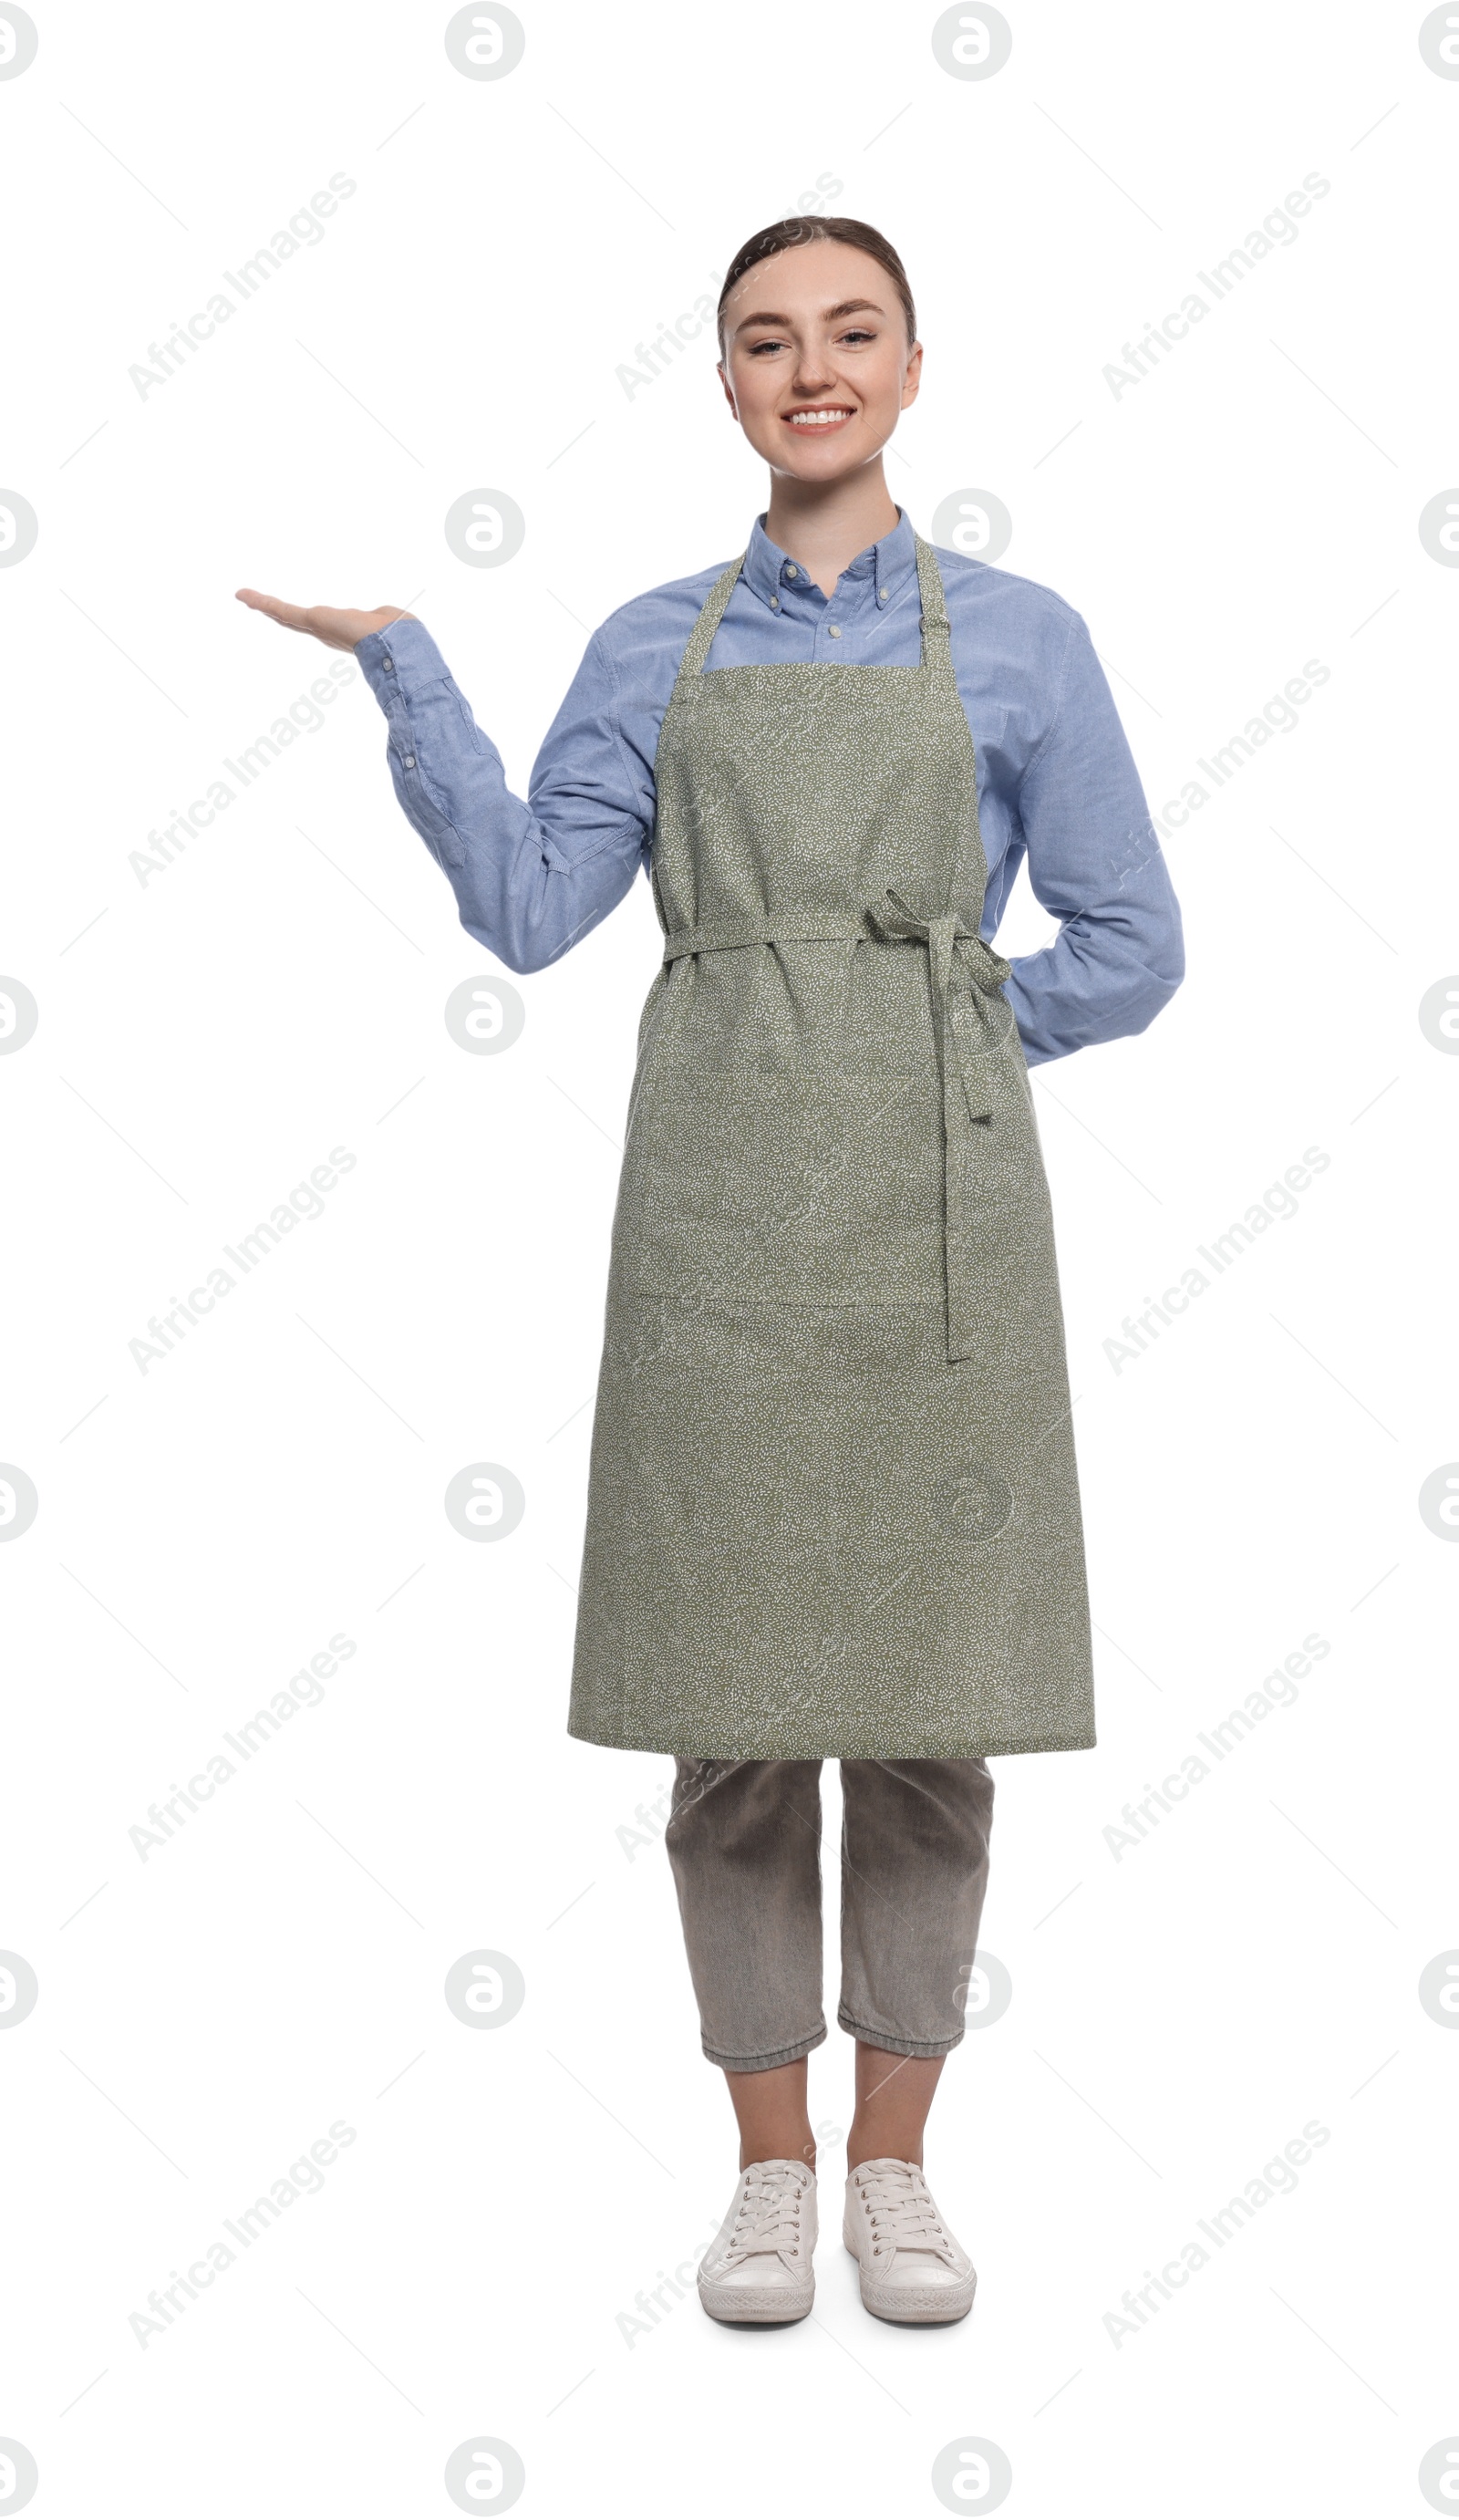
(741, 2306)
(939, 2317)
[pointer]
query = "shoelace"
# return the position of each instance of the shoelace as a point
(769, 2221)
(900, 2210)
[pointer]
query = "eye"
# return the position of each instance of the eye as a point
(756, 347)
(858, 332)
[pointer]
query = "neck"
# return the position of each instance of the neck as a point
(824, 524)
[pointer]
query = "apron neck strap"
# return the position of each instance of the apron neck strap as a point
(692, 663)
(936, 636)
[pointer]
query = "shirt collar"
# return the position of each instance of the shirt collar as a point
(882, 568)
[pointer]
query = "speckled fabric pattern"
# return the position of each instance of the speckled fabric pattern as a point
(833, 1508)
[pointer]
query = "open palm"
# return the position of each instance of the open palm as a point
(336, 628)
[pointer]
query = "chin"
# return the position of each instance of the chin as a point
(821, 463)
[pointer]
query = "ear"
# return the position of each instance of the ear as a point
(913, 378)
(719, 371)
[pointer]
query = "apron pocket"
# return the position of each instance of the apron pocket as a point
(785, 1189)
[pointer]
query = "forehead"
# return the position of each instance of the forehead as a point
(804, 278)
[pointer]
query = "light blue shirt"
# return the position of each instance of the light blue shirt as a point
(1056, 783)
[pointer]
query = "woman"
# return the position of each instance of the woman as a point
(833, 1510)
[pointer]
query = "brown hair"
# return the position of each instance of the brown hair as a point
(806, 230)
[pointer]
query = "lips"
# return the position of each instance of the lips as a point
(818, 418)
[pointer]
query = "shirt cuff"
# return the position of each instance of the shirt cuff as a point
(399, 662)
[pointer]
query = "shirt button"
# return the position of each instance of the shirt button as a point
(832, 632)
(790, 569)
(881, 595)
(775, 604)
(410, 761)
(390, 664)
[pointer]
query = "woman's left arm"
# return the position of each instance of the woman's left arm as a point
(1095, 863)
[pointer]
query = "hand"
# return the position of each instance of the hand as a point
(336, 629)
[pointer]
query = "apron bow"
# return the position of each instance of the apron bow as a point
(986, 971)
(968, 1070)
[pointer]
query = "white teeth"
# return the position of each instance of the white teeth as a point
(816, 419)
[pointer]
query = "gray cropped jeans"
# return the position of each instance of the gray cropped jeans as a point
(744, 1841)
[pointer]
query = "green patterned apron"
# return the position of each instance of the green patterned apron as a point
(833, 1509)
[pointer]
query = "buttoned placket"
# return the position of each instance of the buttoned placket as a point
(797, 599)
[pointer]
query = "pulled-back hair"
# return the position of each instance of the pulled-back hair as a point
(806, 230)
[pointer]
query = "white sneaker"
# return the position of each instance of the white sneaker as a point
(912, 2270)
(756, 2270)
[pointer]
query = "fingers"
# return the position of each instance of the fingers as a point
(332, 627)
(292, 617)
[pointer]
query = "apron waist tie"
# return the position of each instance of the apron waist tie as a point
(967, 1048)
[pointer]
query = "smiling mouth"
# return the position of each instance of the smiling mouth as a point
(827, 416)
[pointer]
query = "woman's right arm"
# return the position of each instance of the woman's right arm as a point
(530, 878)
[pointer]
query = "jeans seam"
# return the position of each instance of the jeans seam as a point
(765, 2060)
(896, 2043)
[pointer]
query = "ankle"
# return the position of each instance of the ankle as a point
(880, 2143)
(801, 2147)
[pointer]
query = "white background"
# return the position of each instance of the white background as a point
(207, 1037)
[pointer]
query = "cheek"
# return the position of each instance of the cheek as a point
(758, 382)
(881, 391)
(757, 393)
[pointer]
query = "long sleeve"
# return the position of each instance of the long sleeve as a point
(1095, 863)
(530, 878)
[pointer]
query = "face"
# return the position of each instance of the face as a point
(816, 364)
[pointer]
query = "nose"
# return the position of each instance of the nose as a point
(814, 373)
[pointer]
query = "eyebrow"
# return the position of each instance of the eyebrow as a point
(848, 306)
